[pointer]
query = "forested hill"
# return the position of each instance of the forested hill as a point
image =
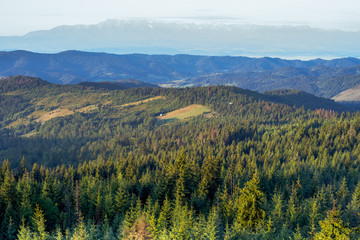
(28, 102)
(324, 78)
(299, 98)
(213, 162)
(317, 80)
(117, 85)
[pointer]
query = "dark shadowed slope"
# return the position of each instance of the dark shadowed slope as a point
(117, 85)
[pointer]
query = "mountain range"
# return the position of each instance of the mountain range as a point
(174, 37)
(324, 78)
(121, 147)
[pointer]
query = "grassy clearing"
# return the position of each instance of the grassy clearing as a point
(71, 101)
(352, 94)
(53, 114)
(42, 116)
(142, 101)
(30, 134)
(14, 93)
(186, 112)
(87, 109)
(67, 104)
(22, 121)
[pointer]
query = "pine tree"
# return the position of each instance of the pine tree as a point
(297, 234)
(181, 222)
(80, 231)
(39, 224)
(24, 188)
(250, 214)
(11, 229)
(165, 214)
(24, 233)
(277, 212)
(121, 200)
(313, 216)
(198, 228)
(107, 230)
(59, 235)
(227, 206)
(7, 223)
(22, 166)
(180, 190)
(210, 177)
(98, 205)
(7, 189)
(212, 225)
(353, 208)
(180, 169)
(109, 203)
(153, 225)
(342, 194)
(293, 205)
(138, 209)
(332, 227)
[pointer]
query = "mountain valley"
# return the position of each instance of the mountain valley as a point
(324, 78)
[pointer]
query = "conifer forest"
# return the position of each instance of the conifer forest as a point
(216, 162)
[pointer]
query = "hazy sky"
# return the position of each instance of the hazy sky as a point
(21, 16)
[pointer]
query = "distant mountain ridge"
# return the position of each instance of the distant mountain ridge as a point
(318, 80)
(24, 85)
(179, 37)
(325, 78)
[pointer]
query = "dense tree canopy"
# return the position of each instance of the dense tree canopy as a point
(253, 169)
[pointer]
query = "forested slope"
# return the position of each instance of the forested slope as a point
(249, 168)
(323, 78)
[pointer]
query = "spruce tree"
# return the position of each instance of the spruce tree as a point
(332, 227)
(39, 224)
(251, 214)
(353, 208)
(24, 233)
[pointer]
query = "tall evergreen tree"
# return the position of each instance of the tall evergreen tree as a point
(39, 224)
(251, 213)
(332, 227)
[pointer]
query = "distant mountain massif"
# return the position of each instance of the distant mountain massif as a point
(199, 37)
(324, 78)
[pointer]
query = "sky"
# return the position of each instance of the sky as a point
(19, 17)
